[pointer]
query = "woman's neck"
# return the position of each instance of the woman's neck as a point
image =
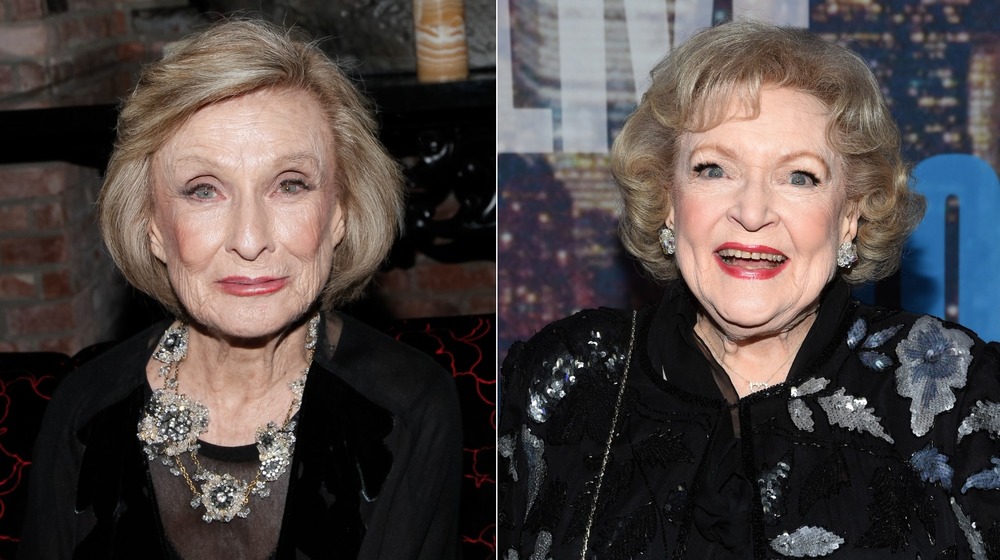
(754, 362)
(244, 384)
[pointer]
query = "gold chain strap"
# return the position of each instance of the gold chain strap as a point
(607, 447)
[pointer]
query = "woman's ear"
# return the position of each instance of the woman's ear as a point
(156, 242)
(849, 227)
(338, 226)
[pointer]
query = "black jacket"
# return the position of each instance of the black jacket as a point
(376, 469)
(882, 443)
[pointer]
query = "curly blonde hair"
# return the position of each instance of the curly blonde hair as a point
(230, 59)
(694, 84)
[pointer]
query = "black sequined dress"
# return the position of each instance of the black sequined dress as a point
(882, 443)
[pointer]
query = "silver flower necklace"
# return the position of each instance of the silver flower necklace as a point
(173, 422)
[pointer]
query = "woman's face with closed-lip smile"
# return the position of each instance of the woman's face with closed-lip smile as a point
(245, 212)
(759, 207)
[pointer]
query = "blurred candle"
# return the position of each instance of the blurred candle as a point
(440, 33)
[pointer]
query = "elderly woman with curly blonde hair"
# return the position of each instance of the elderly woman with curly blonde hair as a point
(757, 411)
(249, 194)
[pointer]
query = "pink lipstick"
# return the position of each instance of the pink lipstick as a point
(246, 286)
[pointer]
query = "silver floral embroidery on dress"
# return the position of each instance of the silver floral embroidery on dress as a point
(798, 410)
(505, 447)
(857, 331)
(971, 533)
(807, 541)
(851, 412)
(875, 360)
(932, 466)
(988, 479)
(534, 456)
(869, 357)
(881, 337)
(984, 416)
(771, 484)
(562, 373)
(933, 361)
(543, 543)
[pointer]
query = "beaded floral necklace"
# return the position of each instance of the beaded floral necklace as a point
(173, 422)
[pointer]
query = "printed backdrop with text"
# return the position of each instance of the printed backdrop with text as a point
(570, 71)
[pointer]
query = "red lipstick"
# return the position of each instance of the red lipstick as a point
(246, 286)
(750, 262)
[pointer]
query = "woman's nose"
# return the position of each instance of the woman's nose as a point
(752, 207)
(250, 228)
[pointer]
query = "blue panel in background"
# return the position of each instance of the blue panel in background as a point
(954, 256)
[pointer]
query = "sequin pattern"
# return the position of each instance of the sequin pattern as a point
(933, 361)
(857, 331)
(852, 412)
(534, 455)
(932, 466)
(560, 374)
(772, 491)
(799, 412)
(871, 359)
(505, 448)
(988, 479)
(542, 546)
(807, 541)
(984, 416)
(971, 533)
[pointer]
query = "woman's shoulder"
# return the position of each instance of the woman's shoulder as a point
(587, 349)
(109, 376)
(930, 358)
(912, 333)
(579, 334)
(391, 373)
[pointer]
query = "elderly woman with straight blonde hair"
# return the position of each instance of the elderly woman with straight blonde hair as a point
(249, 195)
(757, 411)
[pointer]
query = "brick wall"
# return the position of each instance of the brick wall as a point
(432, 289)
(57, 288)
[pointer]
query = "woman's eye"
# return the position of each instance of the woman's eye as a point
(202, 192)
(803, 179)
(709, 170)
(292, 186)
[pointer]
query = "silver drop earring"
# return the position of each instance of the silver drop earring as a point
(847, 254)
(667, 241)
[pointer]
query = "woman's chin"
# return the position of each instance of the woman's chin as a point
(249, 324)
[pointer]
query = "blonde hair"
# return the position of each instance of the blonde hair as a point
(228, 60)
(691, 89)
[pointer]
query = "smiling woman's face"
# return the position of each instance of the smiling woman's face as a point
(759, 207)
(245, 212)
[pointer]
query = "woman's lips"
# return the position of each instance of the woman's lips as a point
(246, 286)
(750, 262)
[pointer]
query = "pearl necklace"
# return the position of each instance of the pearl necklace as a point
(173, 423)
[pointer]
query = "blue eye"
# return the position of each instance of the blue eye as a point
(292, 186)
(803, 179)
(709, 170)
(202, 192)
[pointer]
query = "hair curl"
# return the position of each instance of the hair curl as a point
(230, 59)
(691, 89)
